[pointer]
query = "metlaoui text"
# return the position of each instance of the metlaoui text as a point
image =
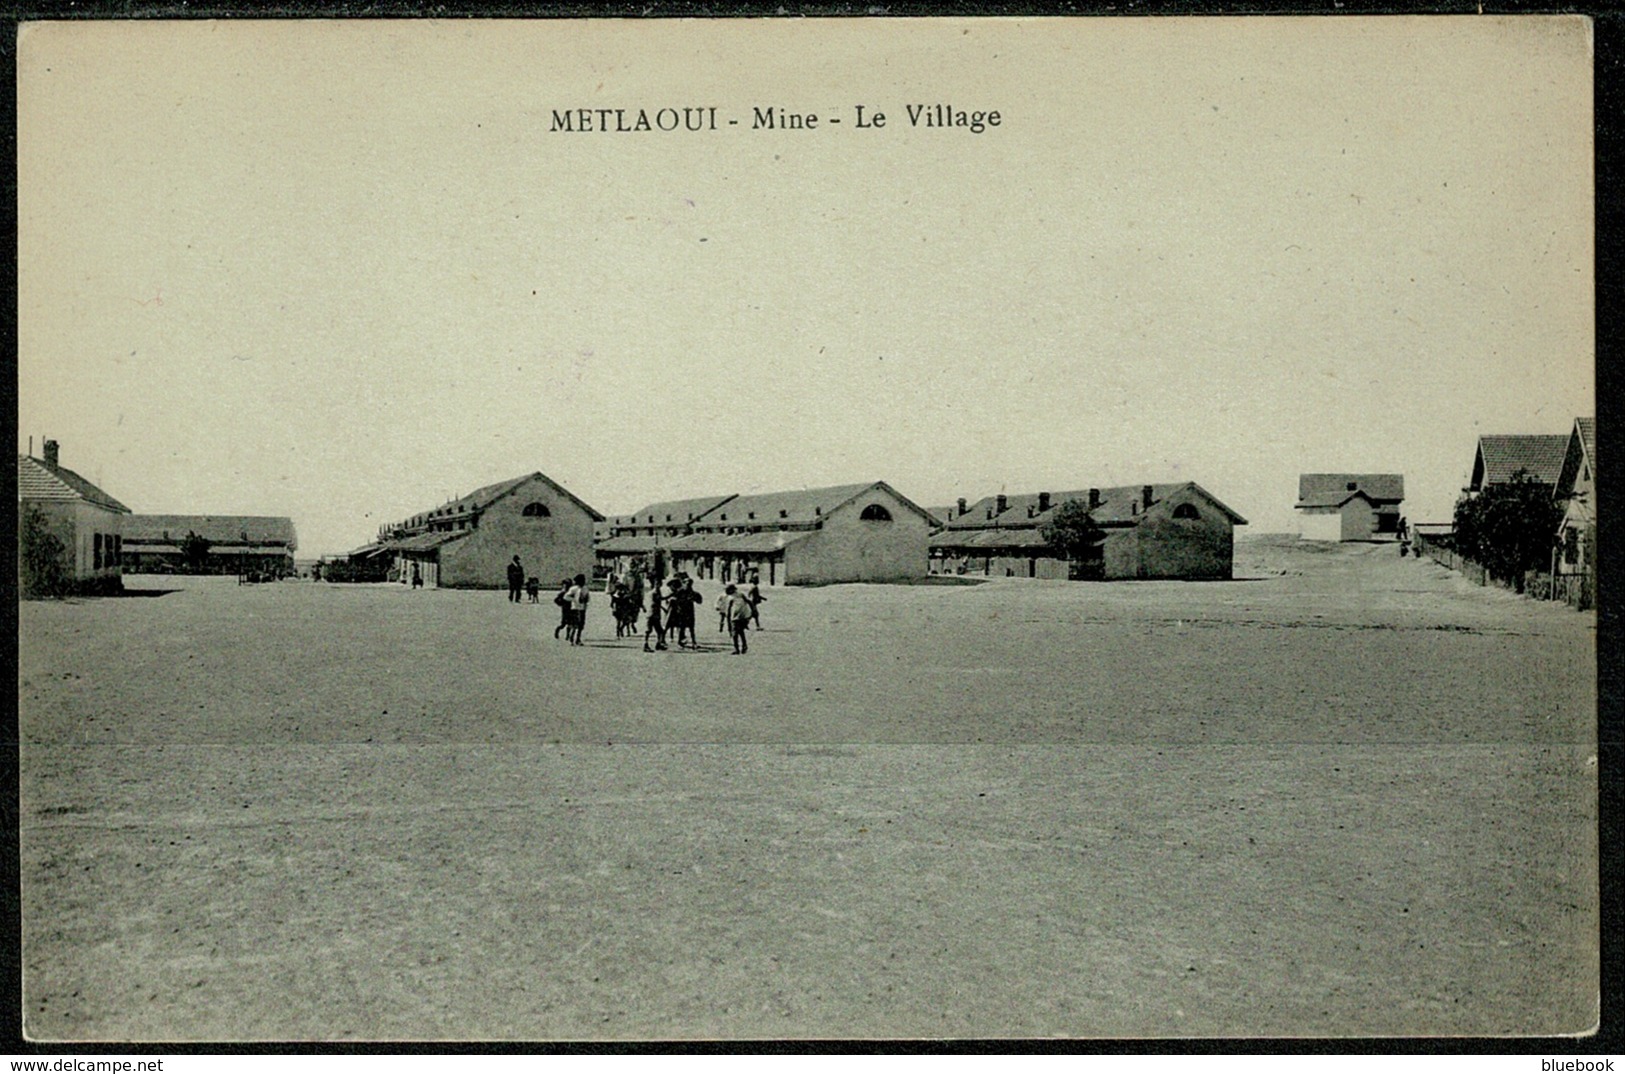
(702, 118)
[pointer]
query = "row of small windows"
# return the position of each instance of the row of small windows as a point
(873, 513)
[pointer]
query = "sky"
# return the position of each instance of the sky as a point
(344, 271)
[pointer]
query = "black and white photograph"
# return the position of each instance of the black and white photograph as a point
(830, 529)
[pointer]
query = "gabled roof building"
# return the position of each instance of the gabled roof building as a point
(1575, 564)
(1350, 507)
(467, 543)
(1169, 531)
(1499, 457)
(262, 544)
(841, 533)
(87, 524)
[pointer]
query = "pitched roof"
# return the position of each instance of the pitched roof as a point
(710, 542)
(624, 546)
(798, 505)
(216, 529)
(790, 505)
(169, 548)
(1582, 448)
(1499, 457)
(486, 495)
(426, 542)
(38, 481)
(737, 543)
(1027, 537)
(1334, 490)
(680, 512)
(1119, 505)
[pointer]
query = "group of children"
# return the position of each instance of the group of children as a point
(670, 611)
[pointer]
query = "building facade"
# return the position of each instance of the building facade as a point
(253, 545)
(1169, 531)
(1349, 507)
(468, 543)
(1574, 563)
(842, 533)
(70, 532)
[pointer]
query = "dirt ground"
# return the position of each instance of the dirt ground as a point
(1347, 794)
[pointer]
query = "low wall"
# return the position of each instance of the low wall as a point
(1577, 590)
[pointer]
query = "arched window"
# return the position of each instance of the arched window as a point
(875, 513)
(536, 510)
(1186, 510)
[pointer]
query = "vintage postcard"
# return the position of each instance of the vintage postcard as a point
(807, 528)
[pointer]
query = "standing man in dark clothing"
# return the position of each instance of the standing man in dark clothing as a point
(516, 579)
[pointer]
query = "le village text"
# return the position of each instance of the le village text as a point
(710, 118)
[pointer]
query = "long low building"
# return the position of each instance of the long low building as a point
(842, 533)
(209, 544)
(1169, 531)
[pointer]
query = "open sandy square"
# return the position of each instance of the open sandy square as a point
(1349, 794)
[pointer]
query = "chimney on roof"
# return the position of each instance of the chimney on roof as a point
(1145, 498)
(961, 507)
(1094, 499)
(1043, 502)
(50, 454)
(1002, 502)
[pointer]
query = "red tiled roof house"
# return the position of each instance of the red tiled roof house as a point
(1499, 457)
(53, 501)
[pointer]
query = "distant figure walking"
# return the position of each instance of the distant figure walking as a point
(739, 613)
(754, 595)
(680, 617)
(578, 609)
(656, 622)
(417, 577)
(626, 613)
(562, 599)
(533, 589)
(516, 579)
